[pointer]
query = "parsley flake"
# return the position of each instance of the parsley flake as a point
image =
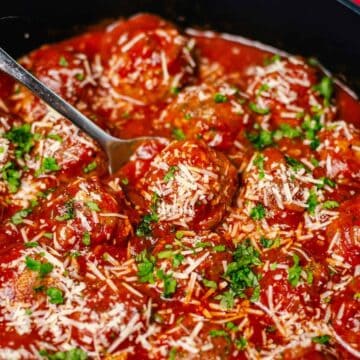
(42, 268)
(257, 212)
(55, 295)
(295, 272)
(220, 98)
(322, 339)
(170, 174)
(90, 167)
(63, 62)
(258, 110)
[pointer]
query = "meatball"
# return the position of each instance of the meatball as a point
(345, 315)
(84, 213)
(340, 152)
(64, 69)
(272, 184)
(33, 159)
(188, 185)
(212, 113)
(56, 134)
(145, 58)
(70, 68)
(343, 235)
(283, 91)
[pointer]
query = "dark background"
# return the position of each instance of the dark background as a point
(322, 28)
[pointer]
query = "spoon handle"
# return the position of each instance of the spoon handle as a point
(11, 67)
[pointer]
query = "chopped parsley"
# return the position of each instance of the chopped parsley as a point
(314, 161)
(63, 62)
(263, 87)
(220, 98)
(170, 174)
(256, 294)
(144, 228)
(48, 164)
(296, 165)
(169, 254)
(90, 167)
(330, 204)
(240, 272)
(268, 243)
(165, 254)
(287, 131)
(174, 90)
(218, 333)
(146, 267)
(272, 59)
(314, 62)
(93, 206)
(172, 354)
(86, 238)
(226, 299)
(219, 248)
(125, 181)
(259, 163)
(257, 212)
(169, 283)
(22, 137)
(309, 277)
(42, 268)
(294, 271)
(322, 339)
(326, 181)
(56, 137)
(19, 216)
(210, 284)
(55, 295)
(325, 88)
(178, 134)
(73, 354)
(240, 343)
(80, 76)
(31, 244)
(312, 202)
(231, 326)
(69, 213)
(260, 140)
(12, 177)
(311, 126)
(178, 259)
(258, 110)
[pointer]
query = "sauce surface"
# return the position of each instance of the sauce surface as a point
(236, 237)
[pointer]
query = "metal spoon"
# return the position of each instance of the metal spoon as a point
(117, 150)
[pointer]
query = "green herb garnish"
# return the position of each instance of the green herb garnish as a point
(257, 212)
(55, 295)
(220, 98)
(295, 271)
(258, 110)
(42, 268)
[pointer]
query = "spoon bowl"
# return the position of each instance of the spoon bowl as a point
(117, 150)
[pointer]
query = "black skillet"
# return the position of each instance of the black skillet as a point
(325, 29)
